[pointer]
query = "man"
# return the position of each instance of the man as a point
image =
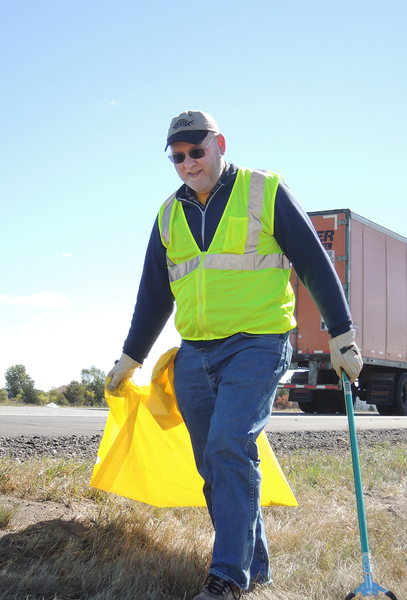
(221, 247)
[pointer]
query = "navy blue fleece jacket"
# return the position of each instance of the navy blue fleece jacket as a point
(294, 233)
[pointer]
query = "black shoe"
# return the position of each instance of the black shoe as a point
(215, 588)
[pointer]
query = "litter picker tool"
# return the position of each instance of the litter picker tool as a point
(368, 588)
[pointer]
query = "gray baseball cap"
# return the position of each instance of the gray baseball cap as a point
(191, 126)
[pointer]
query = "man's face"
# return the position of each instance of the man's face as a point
(201, 174)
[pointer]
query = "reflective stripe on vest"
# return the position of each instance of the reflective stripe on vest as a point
(254, 208)
(233, 262)
(250, 260)
(165, 228)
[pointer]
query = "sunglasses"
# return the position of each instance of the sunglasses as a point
(178, 157)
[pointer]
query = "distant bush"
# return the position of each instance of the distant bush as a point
(75, 393)
(57, 397)
(281, 402)
(3, 396)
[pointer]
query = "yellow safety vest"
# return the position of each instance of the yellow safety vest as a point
(242, 283)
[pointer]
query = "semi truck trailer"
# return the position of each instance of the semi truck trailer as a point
(371, 262)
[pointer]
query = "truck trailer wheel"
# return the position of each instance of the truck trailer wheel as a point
(400, 396)
(329, 402)
(324, 403)
(385, 410)
(307, 407)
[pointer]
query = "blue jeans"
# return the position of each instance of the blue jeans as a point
(225, 393)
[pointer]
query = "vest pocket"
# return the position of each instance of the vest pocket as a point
(236, 235)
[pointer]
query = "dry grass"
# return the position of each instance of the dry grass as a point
(119, 549)
(7, 512)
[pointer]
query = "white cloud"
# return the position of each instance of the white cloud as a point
(45, 299)
(67, 254)
(109, 103)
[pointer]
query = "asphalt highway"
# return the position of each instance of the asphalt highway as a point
(299, 421)
(44, 420)
(66, 421)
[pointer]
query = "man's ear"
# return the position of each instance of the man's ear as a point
(221, 143)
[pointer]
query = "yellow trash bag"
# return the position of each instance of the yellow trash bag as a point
(146, 452)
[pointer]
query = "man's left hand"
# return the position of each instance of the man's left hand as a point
(345, 355)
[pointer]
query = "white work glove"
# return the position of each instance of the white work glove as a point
(345, 355)
(123, 369)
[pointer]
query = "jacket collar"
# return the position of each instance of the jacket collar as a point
(228, 176)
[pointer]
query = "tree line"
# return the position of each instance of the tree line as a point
(89, 391)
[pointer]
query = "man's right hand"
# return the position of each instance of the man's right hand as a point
(123, 369)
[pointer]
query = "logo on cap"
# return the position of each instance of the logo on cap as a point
(183, 123)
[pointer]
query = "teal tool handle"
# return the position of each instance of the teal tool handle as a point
(355, 461)
(369, 587)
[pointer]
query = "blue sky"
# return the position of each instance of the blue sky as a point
(313, 90)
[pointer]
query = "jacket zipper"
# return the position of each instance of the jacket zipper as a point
(201, 299)
(203, 213)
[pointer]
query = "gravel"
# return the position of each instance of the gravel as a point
(85, 447)
(333, 441)
(24, 447)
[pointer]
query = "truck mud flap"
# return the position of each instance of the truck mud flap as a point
(380, 389)
(300, 395)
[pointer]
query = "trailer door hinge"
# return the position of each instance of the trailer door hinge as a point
(343, 257)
